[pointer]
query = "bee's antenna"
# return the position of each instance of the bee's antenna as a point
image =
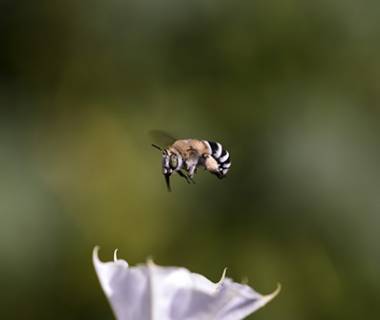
(156, 146)
(167, 179)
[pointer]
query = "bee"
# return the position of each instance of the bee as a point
(185, 156)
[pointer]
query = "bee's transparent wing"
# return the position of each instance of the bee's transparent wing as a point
(161, 138)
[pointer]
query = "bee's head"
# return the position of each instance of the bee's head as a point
(171, 161)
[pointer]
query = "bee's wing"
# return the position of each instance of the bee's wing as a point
(161, 138)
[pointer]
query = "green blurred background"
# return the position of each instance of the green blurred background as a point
(291, 89)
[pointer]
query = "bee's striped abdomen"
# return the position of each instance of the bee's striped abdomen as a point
(220, 154)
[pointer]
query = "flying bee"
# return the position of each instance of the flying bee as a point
(184, 156)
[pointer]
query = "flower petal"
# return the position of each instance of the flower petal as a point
(125, 288)
(148, 292)
(239, 301)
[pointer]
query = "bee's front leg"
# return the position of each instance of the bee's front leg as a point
(192, 170)
(191, 166)
(183, 175)
(190, 179)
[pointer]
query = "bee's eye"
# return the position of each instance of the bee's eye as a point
(173, 162)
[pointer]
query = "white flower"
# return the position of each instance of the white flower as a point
(151, 292)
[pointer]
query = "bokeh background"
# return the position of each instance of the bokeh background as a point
(291, 89)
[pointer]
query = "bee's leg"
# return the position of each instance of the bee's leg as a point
(192, 171)
(184, 176)
(191, 179)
